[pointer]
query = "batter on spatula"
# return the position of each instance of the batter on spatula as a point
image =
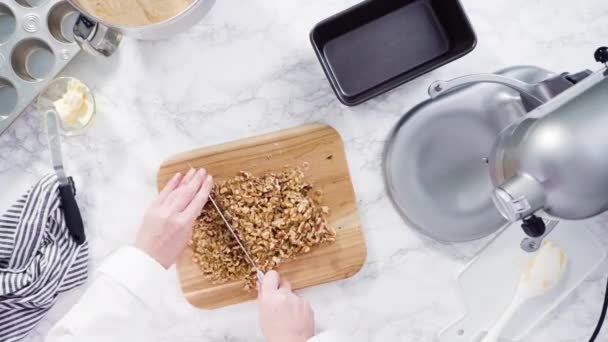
(542, 274)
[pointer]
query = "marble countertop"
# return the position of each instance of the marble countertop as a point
(249, 68)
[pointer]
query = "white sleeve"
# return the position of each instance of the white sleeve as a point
(120, 303)
(329, 336)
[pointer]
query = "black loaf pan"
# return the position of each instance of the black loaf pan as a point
(378, 45)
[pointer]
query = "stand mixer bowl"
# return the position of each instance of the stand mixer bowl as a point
(184, 20)
(100, 37)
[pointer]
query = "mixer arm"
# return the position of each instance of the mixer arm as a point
(536, 93)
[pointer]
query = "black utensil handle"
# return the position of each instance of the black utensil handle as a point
(71, 213)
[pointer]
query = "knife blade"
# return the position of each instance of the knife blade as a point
(71, 212)
(259, 273)
(55, 146)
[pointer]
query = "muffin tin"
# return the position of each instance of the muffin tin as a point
(36, 43)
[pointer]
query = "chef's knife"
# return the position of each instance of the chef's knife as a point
(71, 212)
(259, 274)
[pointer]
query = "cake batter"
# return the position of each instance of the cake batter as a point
(134, 12)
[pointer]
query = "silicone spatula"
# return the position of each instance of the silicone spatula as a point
(542, 274)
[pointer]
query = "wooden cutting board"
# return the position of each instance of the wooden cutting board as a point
(322, 150)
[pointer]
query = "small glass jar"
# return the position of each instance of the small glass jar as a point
(54, 91)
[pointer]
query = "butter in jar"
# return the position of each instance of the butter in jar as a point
(75, 108)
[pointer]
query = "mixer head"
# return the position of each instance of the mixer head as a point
(548, 162)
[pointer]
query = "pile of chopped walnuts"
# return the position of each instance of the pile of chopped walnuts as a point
(277, 216)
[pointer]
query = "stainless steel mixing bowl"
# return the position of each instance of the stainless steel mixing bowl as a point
(100, 37)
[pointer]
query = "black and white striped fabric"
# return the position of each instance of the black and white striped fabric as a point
(38, 259)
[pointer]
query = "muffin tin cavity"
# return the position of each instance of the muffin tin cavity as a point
(8, 98)
(61, 21)
(31, 3)
(32, 59)
(36, 43)
(8, 23)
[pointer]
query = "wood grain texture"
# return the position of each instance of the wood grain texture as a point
(316, 145)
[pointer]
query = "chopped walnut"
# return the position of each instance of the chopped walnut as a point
(276, 216)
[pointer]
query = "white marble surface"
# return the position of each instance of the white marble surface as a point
(249, 68)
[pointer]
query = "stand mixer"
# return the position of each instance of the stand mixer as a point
(539, 136)
(551, 163)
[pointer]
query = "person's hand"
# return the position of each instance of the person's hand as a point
(284, 316)
(167, 225)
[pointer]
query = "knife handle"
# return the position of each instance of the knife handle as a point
(71, 213)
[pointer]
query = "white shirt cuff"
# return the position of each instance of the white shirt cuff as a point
(139, 273)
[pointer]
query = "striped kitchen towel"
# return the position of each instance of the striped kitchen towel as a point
(38, 259)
